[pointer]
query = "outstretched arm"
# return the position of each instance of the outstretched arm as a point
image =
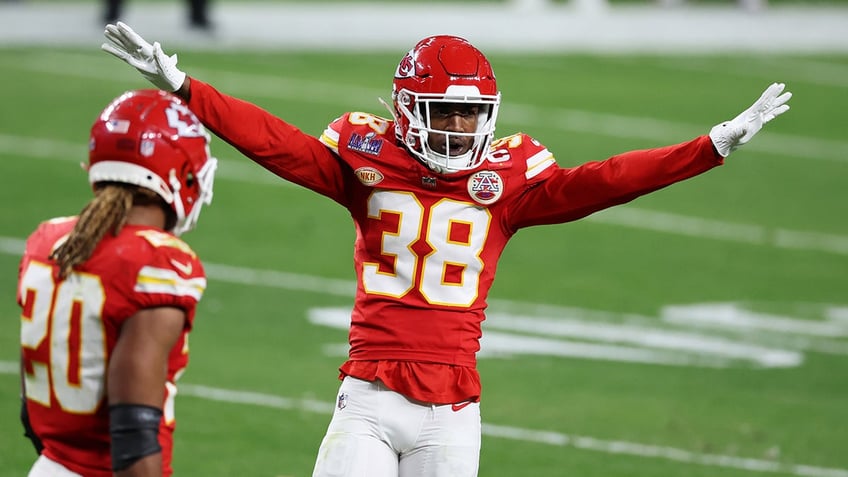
(570, 194)
(268, 140)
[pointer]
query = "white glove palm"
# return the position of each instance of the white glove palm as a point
(729, 135)
(149, 60)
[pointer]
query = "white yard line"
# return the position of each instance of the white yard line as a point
(353, 97)
(552, 438)
(682, 335)
(346, 288)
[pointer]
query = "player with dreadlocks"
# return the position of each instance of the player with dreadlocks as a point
(109, 296)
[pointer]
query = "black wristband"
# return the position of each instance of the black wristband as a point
(134, 429)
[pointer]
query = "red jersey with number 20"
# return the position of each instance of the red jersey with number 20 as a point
(427, 244)
(69, 328)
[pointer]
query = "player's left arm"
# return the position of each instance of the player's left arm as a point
(569, 194)
(566, 194)
(135, 381)
(161, 298)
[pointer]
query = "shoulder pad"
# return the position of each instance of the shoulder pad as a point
(522, 151)
(355, 124)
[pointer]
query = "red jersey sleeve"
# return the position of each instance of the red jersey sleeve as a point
(271, 142)
(567, 194)
(172, 276)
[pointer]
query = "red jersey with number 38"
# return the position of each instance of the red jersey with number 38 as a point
(69, 328)
(427, 244)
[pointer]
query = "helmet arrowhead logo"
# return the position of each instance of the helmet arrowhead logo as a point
(406, 67)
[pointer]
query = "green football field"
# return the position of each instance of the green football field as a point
(698, 331)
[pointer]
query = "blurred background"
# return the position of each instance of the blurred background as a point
(512, 25)
(698, 331)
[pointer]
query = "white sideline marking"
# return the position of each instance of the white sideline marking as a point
(660, 452)
(516, 433)
(58, 150)
(725, 315)
(9, 367)
(717, 230)
(289, 281)
(516, 334)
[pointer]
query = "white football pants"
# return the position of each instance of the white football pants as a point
(376, 432)
(45, 467)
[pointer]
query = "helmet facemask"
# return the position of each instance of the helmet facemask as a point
(448, 76)
(204, 177)
(417, 110)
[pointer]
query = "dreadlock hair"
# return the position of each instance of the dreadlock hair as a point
(106, 212)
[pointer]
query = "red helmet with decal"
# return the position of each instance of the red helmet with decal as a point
(444, 69)
(151, 139)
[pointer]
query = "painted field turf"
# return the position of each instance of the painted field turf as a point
(715, 311)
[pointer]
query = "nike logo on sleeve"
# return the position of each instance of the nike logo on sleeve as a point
(185, 268)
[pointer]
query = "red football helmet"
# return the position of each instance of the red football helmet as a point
(444, 69)
(151, 139)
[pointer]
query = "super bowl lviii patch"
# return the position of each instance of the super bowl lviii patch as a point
(367, 144)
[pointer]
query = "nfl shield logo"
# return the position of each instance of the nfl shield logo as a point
(342, 401)
(146, 148)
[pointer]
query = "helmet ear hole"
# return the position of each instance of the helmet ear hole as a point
(190, 179)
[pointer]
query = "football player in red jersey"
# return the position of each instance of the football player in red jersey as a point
(109, 296)
(434, 199)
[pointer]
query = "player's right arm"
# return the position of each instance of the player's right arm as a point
(273, 143)
(565, 194)
(268, 140)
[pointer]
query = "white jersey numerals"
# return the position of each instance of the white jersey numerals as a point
(456, 231)
(67, 316)
(376, 123)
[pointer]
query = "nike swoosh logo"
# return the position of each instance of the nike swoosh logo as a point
(185, 268)
(459, 406)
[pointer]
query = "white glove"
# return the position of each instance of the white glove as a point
(729, 135)
(150, 60)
